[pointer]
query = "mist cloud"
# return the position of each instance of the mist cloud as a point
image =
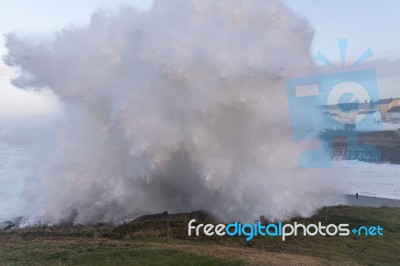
(177, 109)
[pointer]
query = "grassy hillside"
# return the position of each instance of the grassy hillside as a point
(162, 240)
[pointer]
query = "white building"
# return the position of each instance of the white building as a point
(369, 120)
(393, 115)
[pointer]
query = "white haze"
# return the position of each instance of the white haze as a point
(177, 109)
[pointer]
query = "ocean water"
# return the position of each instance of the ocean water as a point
(370, 179)
(380, 180)
(12, 176)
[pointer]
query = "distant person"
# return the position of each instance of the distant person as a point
(356, 195)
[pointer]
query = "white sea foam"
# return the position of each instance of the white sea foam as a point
(178, 109)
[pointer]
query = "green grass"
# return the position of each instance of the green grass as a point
(163, 240)
(377, 250)
(88, 254)
(147, 257)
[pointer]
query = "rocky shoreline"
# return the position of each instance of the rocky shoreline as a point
(387, 142)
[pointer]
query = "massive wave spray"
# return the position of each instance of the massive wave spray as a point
(177, 109)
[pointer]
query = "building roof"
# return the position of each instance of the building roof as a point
(367, 112)
(384, 101)
(394, 109)
(361, 105)
(348, 106)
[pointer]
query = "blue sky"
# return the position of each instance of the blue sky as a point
(367, 24)
(370, 24)
(44, 16)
